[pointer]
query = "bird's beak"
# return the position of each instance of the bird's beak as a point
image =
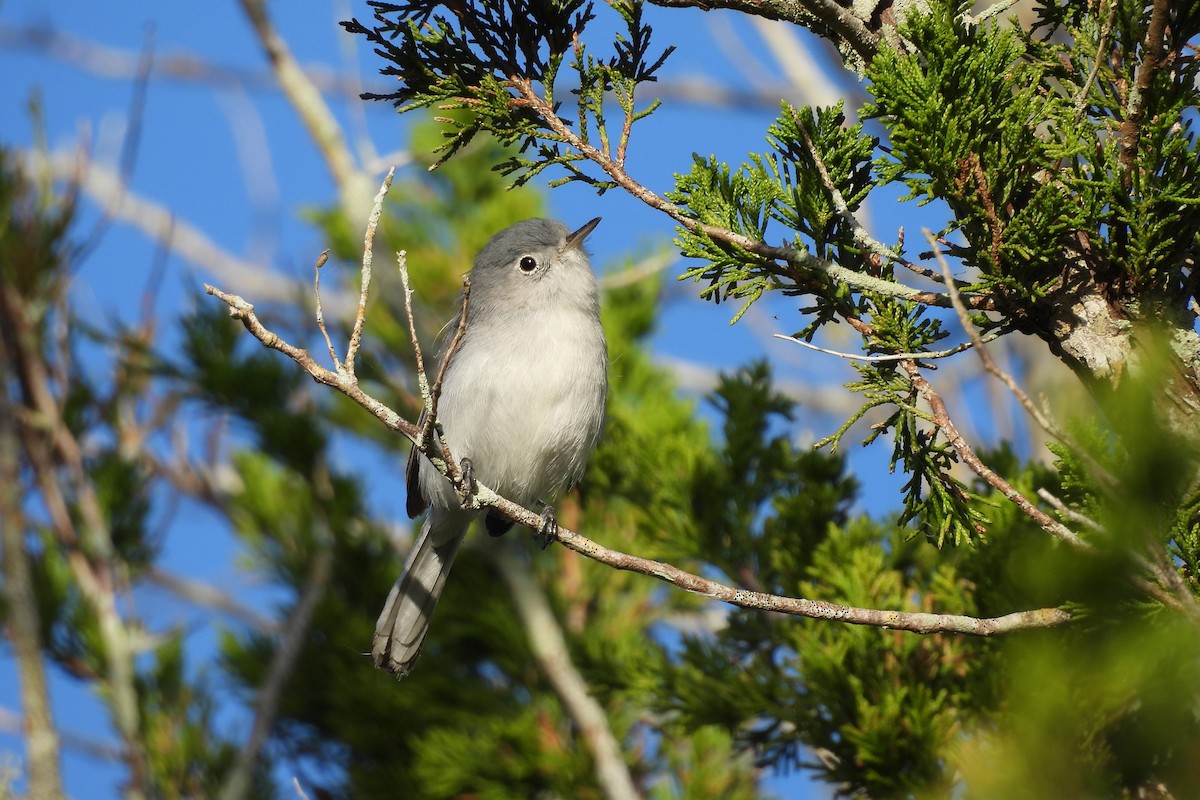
(575, 239)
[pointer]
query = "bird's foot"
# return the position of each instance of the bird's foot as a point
(466, 495)
(548, 528)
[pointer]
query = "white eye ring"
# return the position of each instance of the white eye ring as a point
(527, 264)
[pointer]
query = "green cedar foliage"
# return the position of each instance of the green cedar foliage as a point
(1067, 172)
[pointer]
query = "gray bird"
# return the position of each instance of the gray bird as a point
(523, 401)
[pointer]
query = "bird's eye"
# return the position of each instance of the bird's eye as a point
(528, 264)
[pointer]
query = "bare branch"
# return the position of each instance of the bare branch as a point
(931, 355)
(839, 22)
(316, 115)
(21, 607)
(161, 225)
(1067, 511)
(1081, 99)
(238, 781)
(15, 724)
(347, 384)
(431, 394)
(368, 259)
(321, 259)
(202, 594)
(435, 391)
(1154, 56)
(815, 609)
(651, 265)
(550, 649)
(807, 73)
(418, 355)
(915, 622)
(988, 13)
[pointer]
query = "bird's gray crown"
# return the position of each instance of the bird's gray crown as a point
(526, 236)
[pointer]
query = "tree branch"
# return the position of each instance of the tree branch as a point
(941, 418)
(50, 443)
(814, 609)
(824, 17)
(800, 263)
(914, 622)
(161, 224)
(931, 355)
(368, 260)
(208, 596)
(550, 649)
(23, 623)
(985, 358)
(345, 381)
(1153, 49)
(316, 115)
(237, 783)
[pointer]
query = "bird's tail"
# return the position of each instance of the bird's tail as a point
(405, 619)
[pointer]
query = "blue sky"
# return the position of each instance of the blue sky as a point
(199, 141)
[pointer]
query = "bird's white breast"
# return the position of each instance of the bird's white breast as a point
(524, 400)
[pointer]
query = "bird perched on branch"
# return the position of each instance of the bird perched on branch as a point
(522, 404)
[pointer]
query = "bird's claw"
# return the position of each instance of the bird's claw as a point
(548, 528)
(469, 487)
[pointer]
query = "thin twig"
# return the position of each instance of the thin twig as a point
(931, 355)
(857, 230)
(345, 383)
(431, 394)
(1067, 511)
(460, 329)
(368, 259)
(638, 272)
(985, 358)
(549, 647)
(418, 356)
(941, 418)
(989, 12)
(202, 594)
(321, 259)
(1081, 100)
